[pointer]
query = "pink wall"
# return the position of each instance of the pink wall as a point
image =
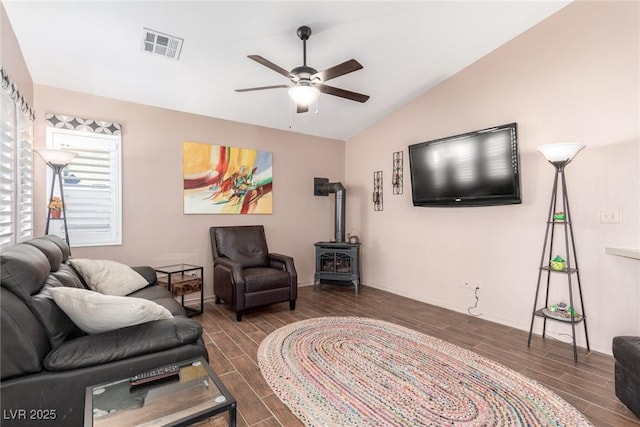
(11, 58)
(155, 230)
(573, 77)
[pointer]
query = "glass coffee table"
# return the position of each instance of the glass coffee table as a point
(195, 395)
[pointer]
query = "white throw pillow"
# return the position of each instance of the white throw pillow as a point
(109, 277)
(94, 313)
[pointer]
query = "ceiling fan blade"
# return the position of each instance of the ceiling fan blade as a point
(261, 88)
(302, 109)
(342, 93)
(339, 70)
(278, 69)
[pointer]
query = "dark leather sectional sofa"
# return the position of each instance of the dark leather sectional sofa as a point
(47, 361)
(626, 351)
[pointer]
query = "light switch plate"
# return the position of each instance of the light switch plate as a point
(609, 216)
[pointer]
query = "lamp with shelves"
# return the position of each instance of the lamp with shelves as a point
(56, 160)
(560, 155)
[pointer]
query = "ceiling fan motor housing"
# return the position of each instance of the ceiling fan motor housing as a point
(304, 72)
(304, 32)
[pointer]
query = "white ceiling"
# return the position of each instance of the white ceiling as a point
(406, 48)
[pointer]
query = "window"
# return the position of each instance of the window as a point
(16, 166)
(91, 182)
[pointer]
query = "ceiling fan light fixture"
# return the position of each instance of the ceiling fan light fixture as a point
(304, 94)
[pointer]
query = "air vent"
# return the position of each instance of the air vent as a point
(158, 43)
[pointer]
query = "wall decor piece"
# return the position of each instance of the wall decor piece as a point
(396, 177)
(218, 179)
(377, 191)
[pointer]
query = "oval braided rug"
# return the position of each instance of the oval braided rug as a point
(351, 371)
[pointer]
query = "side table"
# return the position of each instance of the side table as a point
(182, 279)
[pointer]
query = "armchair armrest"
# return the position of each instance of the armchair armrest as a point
(282, 262)
(234, 267)
(150, 337)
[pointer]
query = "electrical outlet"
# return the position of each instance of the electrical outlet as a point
(470, 285)
(609, 216)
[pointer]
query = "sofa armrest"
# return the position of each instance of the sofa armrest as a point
(123, 343)
(147, 272)
(626, 350)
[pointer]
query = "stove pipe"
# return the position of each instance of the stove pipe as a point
(322, 187)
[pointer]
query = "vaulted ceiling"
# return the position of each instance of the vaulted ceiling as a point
(406, 48)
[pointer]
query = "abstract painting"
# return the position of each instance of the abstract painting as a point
(218, 179)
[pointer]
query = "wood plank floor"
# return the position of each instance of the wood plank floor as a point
(587, 385)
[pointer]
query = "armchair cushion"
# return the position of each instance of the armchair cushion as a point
(264, 279)
(246, 245)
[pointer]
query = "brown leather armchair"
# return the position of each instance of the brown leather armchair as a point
(245, 274)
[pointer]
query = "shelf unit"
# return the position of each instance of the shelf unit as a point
(571, 270)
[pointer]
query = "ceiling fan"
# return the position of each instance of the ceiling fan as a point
(307, 82)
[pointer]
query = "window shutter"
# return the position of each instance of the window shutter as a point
(16, 164)
(7, 172)
(24, 183)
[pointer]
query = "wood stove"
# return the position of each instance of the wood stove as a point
(337, 263)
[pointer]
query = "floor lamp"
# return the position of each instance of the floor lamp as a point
(57, 160)
(560, 155)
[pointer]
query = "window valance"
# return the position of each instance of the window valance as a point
(12, 89)
(87, 125)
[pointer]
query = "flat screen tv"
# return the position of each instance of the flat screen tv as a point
(478, 168)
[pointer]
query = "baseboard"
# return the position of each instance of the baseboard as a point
(506, 322)
(537, 330)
